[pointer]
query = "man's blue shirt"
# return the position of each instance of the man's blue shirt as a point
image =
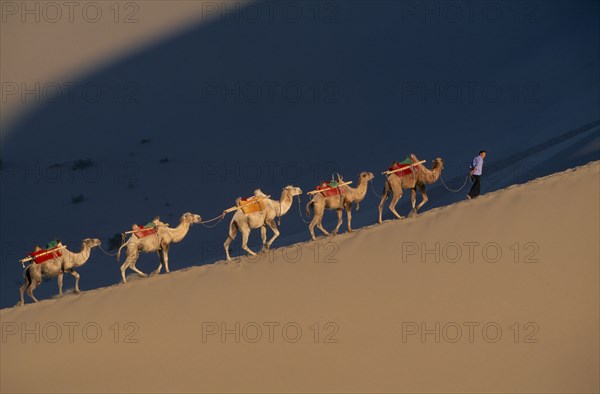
(477, 165)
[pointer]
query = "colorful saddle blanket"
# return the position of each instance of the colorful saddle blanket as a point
(252, 204)
(332, 186)
(44, 255)
(405, 163)
(145, 231)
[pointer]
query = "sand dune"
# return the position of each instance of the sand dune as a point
(369, 311)
(75, 38)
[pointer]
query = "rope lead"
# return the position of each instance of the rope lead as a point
(453, 190)
(219, 218)
(300, 211)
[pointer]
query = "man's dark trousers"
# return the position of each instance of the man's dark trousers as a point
(474, 192)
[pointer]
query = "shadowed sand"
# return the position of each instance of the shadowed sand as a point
(371, 294)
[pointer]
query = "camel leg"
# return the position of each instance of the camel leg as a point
(311, 230)
(136, 269)
(263, 236)
(162, 256)
(125, 265)
(320, 227)
(60, 283)
(165, 254)
(413, 200)
(245, 235)
(34, 283)
(22, 293)
(319, 216)
(123, 268)
(384, 196)
(140, 273)
(349, 215)
(134, 261)
(340, 220)
(24, 287)
(160, 263)
(76, 276)
(393, 203)
(317, 221)
(230, 237)
(424, 194)
(273, 226)
(311, 227)
(132, 256)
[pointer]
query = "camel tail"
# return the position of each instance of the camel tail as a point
(308, 207)
(121, 247)
(386, 190)
(233, 229)
(27, 274)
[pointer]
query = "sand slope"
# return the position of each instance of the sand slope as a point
(361, 305)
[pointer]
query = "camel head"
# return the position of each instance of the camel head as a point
(365, 176)
(438, 162)
(190, 218)
(91, 242)
(293, 190)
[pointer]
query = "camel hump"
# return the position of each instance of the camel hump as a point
(259, 193)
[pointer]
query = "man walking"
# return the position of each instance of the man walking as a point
(475, 173)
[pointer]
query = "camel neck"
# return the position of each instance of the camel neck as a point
(78, 259)
(284, 203)
(361, 188)
(436, 170)
(179, 232)
(430, 176)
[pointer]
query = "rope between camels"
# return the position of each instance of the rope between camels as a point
(453, 190)
(219, 218)
(374, 192)
(300, 211)
(106, 253)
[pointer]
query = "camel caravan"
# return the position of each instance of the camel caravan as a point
(257, 211)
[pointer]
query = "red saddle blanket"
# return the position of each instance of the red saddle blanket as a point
(406, 171)
(144, 232)
(252, 204)
(43, 255)
(331, 192)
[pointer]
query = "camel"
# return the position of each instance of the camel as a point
(34, 273)
(343, 201)
(159, 242)
(244, 223)
(420, 177)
